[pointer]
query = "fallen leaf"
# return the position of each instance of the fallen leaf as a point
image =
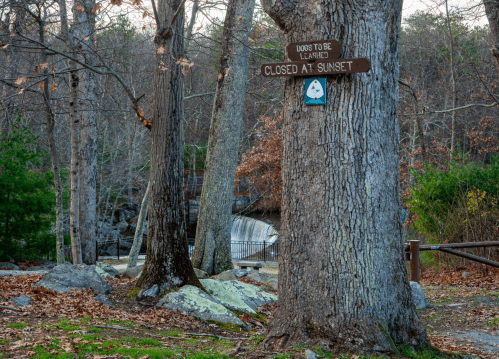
(185, 71)
(5, 46)
(54, 86)
(37, 69)
(161, 50)
(44, 65)
(80, 8)
(144, 15)
(144, 27)
(21, 90)
(199, 28)
(219, 76)
(162, 66)
(20, 80)
(42, 85)
(240, 19)
(250, 39)
(227, 71)
(141, 112)
(96, 8)
(136, 2)
(53, 69)
(116, 2)
(86, 38)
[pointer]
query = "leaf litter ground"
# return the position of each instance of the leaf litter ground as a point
(464, 312)
(74, 325)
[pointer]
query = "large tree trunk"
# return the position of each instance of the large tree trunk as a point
(167, 261)
(84, 26)
(342, 274)
(212, 249)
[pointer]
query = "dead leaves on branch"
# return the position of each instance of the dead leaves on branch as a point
(20, 80)
(186, 65)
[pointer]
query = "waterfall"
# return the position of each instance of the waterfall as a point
(245, 229)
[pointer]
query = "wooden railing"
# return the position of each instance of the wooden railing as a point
(413, 248)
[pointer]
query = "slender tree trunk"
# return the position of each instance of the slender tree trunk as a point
(342, 274)
(453, 83)
(212, 249)
(74, 211)
(16, 24)
(50, 124)
(139, 231)
(167, 261)
(84, 26)
(188, 32)
(492, 11)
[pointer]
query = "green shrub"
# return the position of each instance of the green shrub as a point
(27, 201)
(458, 204)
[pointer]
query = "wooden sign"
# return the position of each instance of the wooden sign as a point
(312, 50)
(319, 67)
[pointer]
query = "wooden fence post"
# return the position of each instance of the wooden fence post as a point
(415, 269)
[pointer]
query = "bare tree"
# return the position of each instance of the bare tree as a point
(212, 251)
(167, 262)
(84, 37)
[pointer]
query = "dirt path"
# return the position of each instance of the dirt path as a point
(463, 315)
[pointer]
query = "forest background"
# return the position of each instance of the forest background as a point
(448, 109)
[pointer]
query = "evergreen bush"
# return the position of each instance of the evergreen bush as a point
(27, 201)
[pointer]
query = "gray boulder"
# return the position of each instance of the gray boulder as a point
(310, 354)
(113, 272)
(418, 296)
(103, 229)
(227, 275)
(133, 272)
(67, 276)
(7, 265)
(122, 226)
(149, 293)
(101, 298)
(201, 274)
(43, 266)
(15, 273)
(21, 301)
(237, 295)
(265, 278)
(190, 300)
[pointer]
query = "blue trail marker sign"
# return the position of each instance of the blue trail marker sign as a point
(315, 91)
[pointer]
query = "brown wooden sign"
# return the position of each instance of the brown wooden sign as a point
(314, 50)
(319, 67)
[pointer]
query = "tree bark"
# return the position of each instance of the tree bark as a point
(139, 231)
(342, 274)
(212, 252)
(84, 26)
(492, 11)
(453, 84)
(188, 32)
(74, 210)
(167, 261)
(54, 156)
